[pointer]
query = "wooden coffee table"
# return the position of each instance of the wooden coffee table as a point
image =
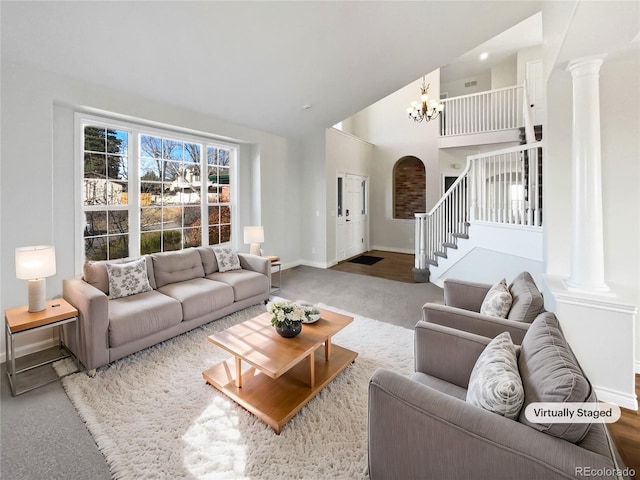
(281, 374)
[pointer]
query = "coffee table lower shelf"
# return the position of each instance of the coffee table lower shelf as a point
(276, 401)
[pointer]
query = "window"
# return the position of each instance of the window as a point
(146, 190)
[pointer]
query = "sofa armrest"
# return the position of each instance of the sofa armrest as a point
(447, 353)
(473, 322)
(415, 431)
(255, 263)
(463, 294)
(93, 320)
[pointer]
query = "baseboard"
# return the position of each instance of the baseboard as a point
(30, 348)
(621, 399)
(308, 263)
(382, 248)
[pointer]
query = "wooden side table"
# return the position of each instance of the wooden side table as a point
(276, 263)
(19, 321)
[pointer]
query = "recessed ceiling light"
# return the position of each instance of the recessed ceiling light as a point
(484, 56)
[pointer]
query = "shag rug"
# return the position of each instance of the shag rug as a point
(154, 417)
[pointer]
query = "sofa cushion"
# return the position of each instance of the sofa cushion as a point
(127, 278)
(95, 272)
(199, 296)
(227, 259)
(209, 262)
(497, 302)
(245, 283)
(527, 299)
(441, 385)
(138, 316)
(550, 373)
(172, 267)
(495, 383)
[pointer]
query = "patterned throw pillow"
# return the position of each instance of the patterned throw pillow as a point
(495, 384)
(498, 300)
(128, 278)
(227, 259)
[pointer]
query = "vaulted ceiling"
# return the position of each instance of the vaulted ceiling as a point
(253, 63)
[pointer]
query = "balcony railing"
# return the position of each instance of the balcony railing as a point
(490, 111)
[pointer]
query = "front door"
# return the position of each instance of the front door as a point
(355, 215)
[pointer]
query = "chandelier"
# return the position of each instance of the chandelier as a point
(425, 109)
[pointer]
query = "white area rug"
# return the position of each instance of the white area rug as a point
(154, 417)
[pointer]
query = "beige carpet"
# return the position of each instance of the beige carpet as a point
(153, 416)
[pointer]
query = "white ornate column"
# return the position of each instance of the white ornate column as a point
(587, 246)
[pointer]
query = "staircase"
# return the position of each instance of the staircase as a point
(499, 188)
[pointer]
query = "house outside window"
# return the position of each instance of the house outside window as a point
(147, 190)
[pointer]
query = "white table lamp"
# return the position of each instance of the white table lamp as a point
(34, 264)
(254, 236)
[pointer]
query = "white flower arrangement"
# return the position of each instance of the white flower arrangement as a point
(286, 314)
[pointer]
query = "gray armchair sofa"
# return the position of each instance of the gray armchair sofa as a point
(463, 300)
(188, 290)
(422, 427)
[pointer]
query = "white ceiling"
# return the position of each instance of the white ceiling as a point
(253, 63)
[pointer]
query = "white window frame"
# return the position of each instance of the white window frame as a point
(135, 129)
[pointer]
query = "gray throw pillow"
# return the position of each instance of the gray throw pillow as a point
(551, 373)
(128, 278)
(495, 383)
(498, 300)
(227, 259)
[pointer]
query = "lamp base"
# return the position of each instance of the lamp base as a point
(255, 249)
(37, 291)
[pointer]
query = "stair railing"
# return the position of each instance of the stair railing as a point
(503, 186)
(489, 111)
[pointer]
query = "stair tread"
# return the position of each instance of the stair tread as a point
(460, 235)
(432, 262)
(441, 254)
(450, 245)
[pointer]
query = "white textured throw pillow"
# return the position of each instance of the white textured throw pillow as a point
(128, 278)
(497, 302)
(495, 384)
(227, 259)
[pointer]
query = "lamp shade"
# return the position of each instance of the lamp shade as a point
(35, 262)
(253, 234)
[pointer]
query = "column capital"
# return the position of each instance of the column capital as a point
(585, 65)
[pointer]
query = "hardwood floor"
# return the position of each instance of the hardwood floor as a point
(397, 266)
(393, 266)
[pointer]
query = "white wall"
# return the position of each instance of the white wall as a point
(37, 184)
(456, 88)
(504, 74)
(345, 154)
(386, 125)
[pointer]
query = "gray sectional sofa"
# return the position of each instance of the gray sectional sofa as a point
(188, 290)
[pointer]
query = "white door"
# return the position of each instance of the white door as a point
(355, 215)
(536, 91)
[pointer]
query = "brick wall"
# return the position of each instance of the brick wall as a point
(409, 187)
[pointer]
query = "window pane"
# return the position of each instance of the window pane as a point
(150, 194)
(171, 172)
(118, 222)
(150, 169)
(223, 157)
(151, 218)
(212, 195)
(150, 243)
(117, 167)
(212, 156)
(223, 176)
(94, 139)
(95, 248)
(225, 233)
(172, 217)
(192, 217)
(214, 215)
(190, 196)
(95, 165)
(117, 193)
(117, 141)
(171, 240)
(171, 149)
(225, 214)
(214, 235)
(118, 246)
(225, 194)
(95, 223)
(192, 153)
(150, 147)
(94, 192)
(192, 237)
